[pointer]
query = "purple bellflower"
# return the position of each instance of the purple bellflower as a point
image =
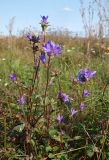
(42, 57)
(44, 22)
(33, 37)
(21, 100)
(82, 105)
(59, 118)
(44, 19)
(73, 111)
(63, 96)
(51, 48)
(13, 76)
(86, 92)
(85, 74)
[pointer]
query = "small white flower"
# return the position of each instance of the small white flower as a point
(3, 59)
(68, 50)
(6, 84)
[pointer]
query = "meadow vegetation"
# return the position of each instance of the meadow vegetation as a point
(54, 96)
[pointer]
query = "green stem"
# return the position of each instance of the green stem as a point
(60, 136)
(46, 107)
(5, 144)
(32, 90)
(48, 68)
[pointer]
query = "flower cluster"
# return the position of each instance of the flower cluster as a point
(33, 38)
(51, 49)
(85, 74)
(63, 96)
(44, 22)
(74, 111)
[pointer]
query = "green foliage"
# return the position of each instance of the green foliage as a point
(82, 135)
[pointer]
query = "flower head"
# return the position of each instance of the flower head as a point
(42, 57)
(33, 37)
(85, 74)
(44, 23)
(13, 76)
(63, 96)
(85, 92)
(51, 48)
(44, 19)
(82, 105)
(59, 118)
(73, 111)
(21, 100)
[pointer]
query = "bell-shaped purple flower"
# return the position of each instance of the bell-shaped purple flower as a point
(21, 100)
(82, 105)
(13, 76)
(86, 92)
(73, 111)
(59, 118)
(51, 48)
(33, 38)
(85, 74)
(63, 96)
(42, 57)
(44, 20)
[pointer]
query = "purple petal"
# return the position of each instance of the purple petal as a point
(51, 48)
(21, 100)
(59, 118)
(85, 74)
(86, 92)
(82, 105)
(73, 111)
(13, 76)
(42, 57)
(65, 97)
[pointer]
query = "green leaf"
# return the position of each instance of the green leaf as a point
(90, 151)
(102, 140)
(48, 148)
(55, 148)
(47, 100)
(33, 142)
(51, 155)
(52, 132)
(19, 128)
(62, 157)
(77, 138)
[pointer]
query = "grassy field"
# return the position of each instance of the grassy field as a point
(34, 130)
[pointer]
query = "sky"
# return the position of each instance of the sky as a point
(27, 13)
